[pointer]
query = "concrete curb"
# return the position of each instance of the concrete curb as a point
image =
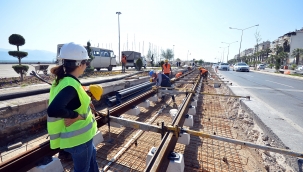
(282, 75)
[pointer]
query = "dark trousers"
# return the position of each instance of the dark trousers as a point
(204, 75)
(123, 67)
(166, 83)
(167, 74)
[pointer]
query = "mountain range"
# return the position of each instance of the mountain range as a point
(33, 56)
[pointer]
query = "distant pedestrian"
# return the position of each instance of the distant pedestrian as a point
(123, 62)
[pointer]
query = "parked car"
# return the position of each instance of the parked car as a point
(300, 67)
(260, 66)
(223, 66)
(241, 67)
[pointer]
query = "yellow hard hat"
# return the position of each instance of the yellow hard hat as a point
(96, 91)
(166, 60)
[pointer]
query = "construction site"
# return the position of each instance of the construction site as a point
(205, 129)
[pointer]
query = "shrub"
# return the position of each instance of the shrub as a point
(139, 64)
(293, 66)
(20, 69)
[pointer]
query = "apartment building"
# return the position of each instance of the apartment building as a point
(289, 41)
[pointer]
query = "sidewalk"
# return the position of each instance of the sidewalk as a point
(273, 72)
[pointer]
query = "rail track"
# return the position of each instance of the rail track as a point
(128, 151)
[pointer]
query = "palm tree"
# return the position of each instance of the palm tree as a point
(297, 53)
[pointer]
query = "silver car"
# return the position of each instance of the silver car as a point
(260, 66)
(241, 66)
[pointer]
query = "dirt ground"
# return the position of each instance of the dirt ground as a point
(245, 128)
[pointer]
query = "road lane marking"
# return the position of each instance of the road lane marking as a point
(266, 88)
(249, 75)
(280, 83)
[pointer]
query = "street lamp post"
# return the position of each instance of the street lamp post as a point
(223, 53)
(119, 32)
(187, 55)
(174, 52)
(228, 48)
(242, 35)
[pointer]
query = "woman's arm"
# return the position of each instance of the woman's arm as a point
(58, 107)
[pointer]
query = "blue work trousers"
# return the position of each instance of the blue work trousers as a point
(84, 157)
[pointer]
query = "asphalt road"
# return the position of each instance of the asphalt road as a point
(276, 100)
(283, 94)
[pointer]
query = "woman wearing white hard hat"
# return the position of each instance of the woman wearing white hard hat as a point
(70, 123)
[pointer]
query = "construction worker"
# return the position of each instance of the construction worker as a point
(166, 68)
(95, 92)
(123, 60)
(204, 72)
(70, 123)
(163, 81)
(178, 74)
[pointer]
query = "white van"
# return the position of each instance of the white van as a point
(104, 58)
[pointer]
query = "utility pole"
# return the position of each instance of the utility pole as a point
(119, 32)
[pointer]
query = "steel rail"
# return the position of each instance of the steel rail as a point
(160, 161)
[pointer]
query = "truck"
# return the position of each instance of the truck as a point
(104, 58)
(132, 57)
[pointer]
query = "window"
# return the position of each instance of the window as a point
(96, 53)
(112, 54)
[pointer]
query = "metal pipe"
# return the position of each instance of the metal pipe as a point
(129, 88)
(132, 91)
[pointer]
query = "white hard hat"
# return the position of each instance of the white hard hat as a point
(72, 51)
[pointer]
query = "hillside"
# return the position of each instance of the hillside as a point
(33, 56)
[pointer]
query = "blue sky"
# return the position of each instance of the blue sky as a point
(195, 27)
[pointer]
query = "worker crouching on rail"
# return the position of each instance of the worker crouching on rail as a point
(204, 72)
(70, 123)
(163, 81)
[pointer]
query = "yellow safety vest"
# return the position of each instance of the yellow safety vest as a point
(77, 133)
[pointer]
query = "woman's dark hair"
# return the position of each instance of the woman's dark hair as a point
(59, 72)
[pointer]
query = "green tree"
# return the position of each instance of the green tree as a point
(168, 54)
(267, 51)
(18, 40)
(152, 61)
(200, 62)
(297, 53)
(139, 64)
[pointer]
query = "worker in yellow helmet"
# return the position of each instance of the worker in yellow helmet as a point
(166, 68)
(70, 123)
